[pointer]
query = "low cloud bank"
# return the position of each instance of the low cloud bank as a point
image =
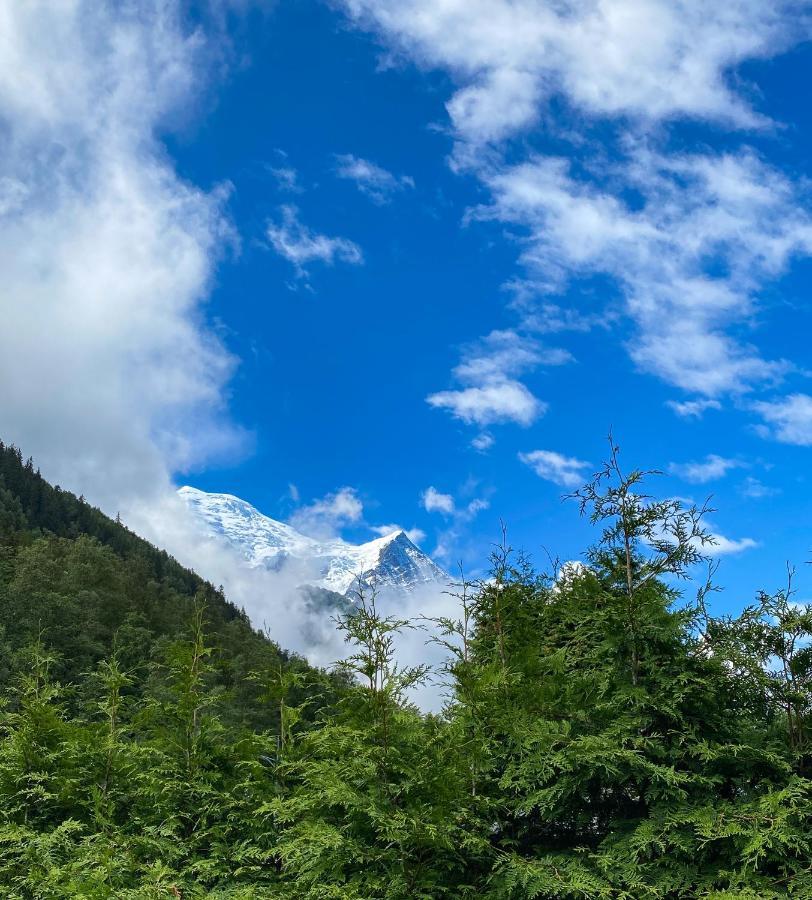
(273, 599)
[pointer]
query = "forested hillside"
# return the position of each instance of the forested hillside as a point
(87, 587)
(605, 736)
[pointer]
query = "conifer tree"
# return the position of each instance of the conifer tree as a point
(372, 805)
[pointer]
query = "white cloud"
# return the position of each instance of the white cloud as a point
(788, 419)
(272, 598)
(372, 180)
(502, 354)
(502, 401)
(550, 318)
(300, 245)
(325, 517)
(693, 409)
(415, 535)
(732, 209)
(286, 177)
(721, 545)
(107, 254)
(107, 257)
(756, 490)
(566, 471)
(477, 505)
(434, 501)
(650, 59)
(459, 512)
(690, 239)
(483, 441)
(724, 546)
(492, 393)
(709, 469)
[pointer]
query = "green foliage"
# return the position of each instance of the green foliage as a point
(602, 739)
(375, 801)
(87, 587)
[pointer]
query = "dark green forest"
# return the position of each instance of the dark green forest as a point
(605, 735)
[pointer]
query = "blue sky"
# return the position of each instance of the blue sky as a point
(330, 256)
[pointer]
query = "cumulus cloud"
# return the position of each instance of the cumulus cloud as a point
(107, 254)
(788, 419)
(492, 392)
(502, 401)
(433, 501)
(566, 471)
(324, 518)
(301, 246)
(649, 59)
(709, 469)
(371, 180)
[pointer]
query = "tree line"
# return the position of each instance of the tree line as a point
(604, 736)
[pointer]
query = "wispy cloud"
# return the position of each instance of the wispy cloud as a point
(325, 517)
(433, 501)
(457, 514)
(755, 489)
(545, 317)
(711, 468)
(693, 409)
(371, 180)
(505, 353)
(724, 546)
(566, 471)
(483, 441)
(415, 535)
(286, 178)
(301, 246)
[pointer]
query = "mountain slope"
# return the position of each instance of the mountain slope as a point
(85, 586)
(390, 562)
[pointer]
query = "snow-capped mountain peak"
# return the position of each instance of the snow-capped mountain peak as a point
(392, 561)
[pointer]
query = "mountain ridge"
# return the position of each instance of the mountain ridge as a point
(392, 561)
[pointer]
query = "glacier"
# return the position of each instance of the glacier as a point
(390, 563)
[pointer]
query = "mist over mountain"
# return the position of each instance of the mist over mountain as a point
(393, 563)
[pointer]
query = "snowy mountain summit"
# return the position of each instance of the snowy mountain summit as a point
(390, 562)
